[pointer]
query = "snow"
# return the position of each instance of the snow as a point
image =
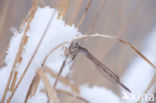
(139, 73)
(57, 33)
(98, 95)
(137, 77)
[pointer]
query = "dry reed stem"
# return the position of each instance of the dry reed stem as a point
(61, 70)
(42, 3)
(96, 17)
(84, 14)
(51, 92)
(34, 54)
(68, 93)
(14, 81)
(72, 95)
(36, 84)
(20, 49)
(31, 88)
(63, 8)
(62, 79)
(138, 52)
(46, 57)
(76, 11)
(3, 16)
(102, 36)
(30, 15)
(60, 8)
(3, 55)
(125, 24)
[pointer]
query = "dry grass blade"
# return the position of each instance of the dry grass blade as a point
(72, 94)
(138, 52)
(36, 84)
(30, 61)
(60, 71)
(51, 92)
(14, 81)
(60, 8)
(31, 87)
(3, 16)
(62, 79)
(3, 56)
(42, 3)
(125, 24)
(29, 16)
(107, 37)
(20, 49)
(76, 11)
(84, 14)
(46, 57)
(96, 17)
(63, 8)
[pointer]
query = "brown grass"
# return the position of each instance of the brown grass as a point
(106, 37)
(31, 87)
(60, 71)
(20, 49)
(3, 17)
(2, 56)
(125, 24)
(41, 73)
(76, 11)
(96, 17)
(14, 81)
(62, 79)
(84, 14)
(36, 50)
(72, 95)
(63, 8)
(51, 92)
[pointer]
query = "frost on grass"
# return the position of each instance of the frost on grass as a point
(57, 33)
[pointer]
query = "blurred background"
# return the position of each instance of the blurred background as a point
(132, 20)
